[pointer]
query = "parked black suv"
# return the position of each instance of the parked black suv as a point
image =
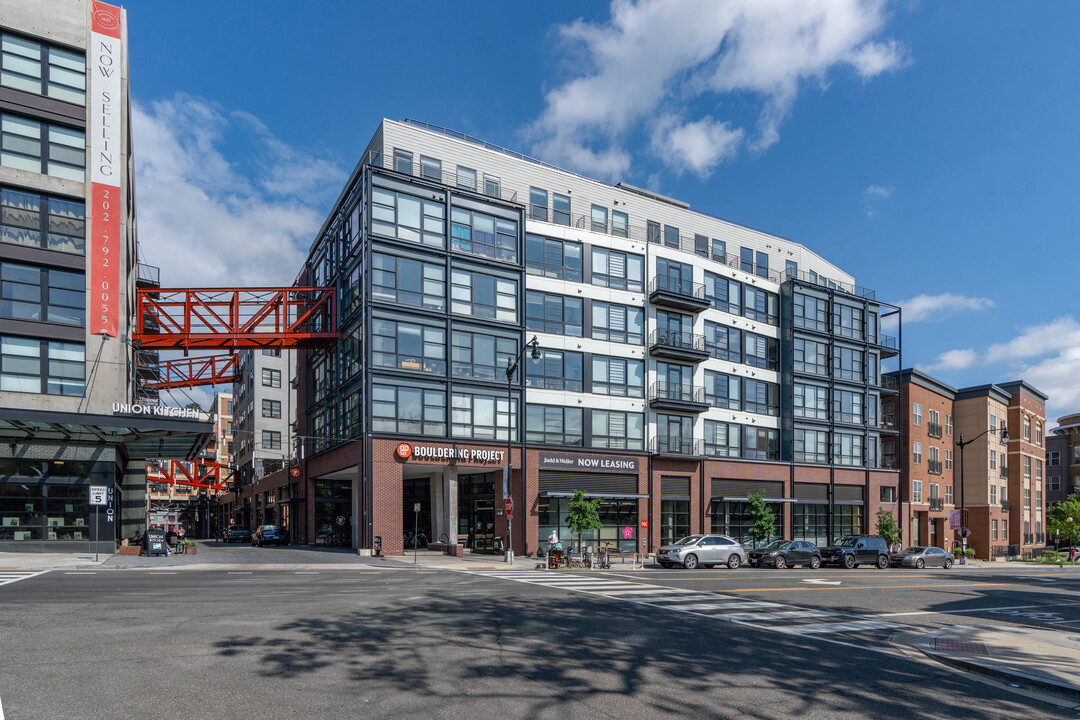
(854, 550)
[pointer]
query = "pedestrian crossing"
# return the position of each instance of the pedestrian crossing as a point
(11, 576)
(778, 617)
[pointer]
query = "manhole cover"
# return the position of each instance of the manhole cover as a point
(960, 646)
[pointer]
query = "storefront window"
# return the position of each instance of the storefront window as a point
(733, 520)
(616, 518)
(674, 520)
(49, 512)
(810, 523)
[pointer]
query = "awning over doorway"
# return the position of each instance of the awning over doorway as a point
(605, 495)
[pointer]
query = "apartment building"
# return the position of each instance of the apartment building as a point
(925, 454)
(683, 362)
(1027, 457)
(1063, 459)
(72, 411)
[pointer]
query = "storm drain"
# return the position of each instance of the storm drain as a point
(960, 647)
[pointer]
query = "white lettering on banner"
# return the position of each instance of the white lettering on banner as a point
(159, 410)
(447, 452)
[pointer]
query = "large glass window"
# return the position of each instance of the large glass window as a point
(483, 417)
(848, 449)
(674, 520)
(271, 408)
(616, 518)
(848, 364)
(550, 313)
(599, 219)
(619, 270)
(617, 323)
(403, 162)
(43, 222)
(810, 522)
(811, 402)
(760, 396)
(271, 440)
(620, 224)
(560, 209)
(431, 168)
(485, 296)
(848, 321)
(405, 217)
(722, 439)
(416, 411)
(746, 259)
(811, 312)
(811, 357)
(762, 352)
(49, 367)
(674, 276)
(761, 443)
(480, 356)
(538, 204)
(811, 446)
(847, 520)
(546, 425)
(552, 258)
(722, 390)
(271, 378)
(848, 407)
(671, 236)
(761, 305)
(42, 69)
(733, 519)
(39, 147)
(408, 346)
(618, 376)
(617, 430)
(466, 178)
(723, 342)
(409, 282)
(482, 234)
(723, 293)
(557, 370)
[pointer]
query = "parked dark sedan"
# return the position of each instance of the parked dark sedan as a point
(236, 534)
(269, 535)
(783, 553)
(920, 557)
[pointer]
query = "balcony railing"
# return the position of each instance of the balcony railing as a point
(934, 466)
(672, 445)
(1005, 506)
(677, 392)
(676, 293)
(1040, 538)
(149, 274)
(678, 342)
(889, 462)
(933, 429)
(889, 382)
(1029, 539)
(936, 504)
(888, 422)
(1004, 471)
(888, 341)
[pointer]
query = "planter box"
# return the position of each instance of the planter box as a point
(128, 550)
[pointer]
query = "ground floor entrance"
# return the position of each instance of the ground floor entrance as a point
(476, 512)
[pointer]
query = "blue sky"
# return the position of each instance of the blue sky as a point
(929, 149)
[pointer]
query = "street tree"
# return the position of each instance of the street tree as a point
(887, 528)
(762, 519)
(193, 406)
(584, 515)
(1064, 520)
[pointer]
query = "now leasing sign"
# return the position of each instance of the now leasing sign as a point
(578, 462)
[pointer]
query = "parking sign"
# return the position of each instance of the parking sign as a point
(98, 495)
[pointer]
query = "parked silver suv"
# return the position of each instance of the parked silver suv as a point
(707, 550)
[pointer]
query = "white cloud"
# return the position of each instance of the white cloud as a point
(1059, 378)
(654, 59)
(877, 191)
(211, 220)
(953, 360)
(938, 307)
(1060, 334)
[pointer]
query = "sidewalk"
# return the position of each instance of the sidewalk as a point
(1045, 659)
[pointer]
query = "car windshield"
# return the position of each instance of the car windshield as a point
(914, 550)
(271, 528)
(689, 540)
(846, 542)
(777, 545)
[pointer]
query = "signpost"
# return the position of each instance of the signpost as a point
(98, 497)
(415, 529)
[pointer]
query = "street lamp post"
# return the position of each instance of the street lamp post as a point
(964, 532)
(511, 367)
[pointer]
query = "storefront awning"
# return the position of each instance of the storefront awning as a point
(605, 495)
(728, 498)
(142, 438)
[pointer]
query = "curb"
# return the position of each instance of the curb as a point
(963, 662)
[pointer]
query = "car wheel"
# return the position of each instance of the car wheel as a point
(948, 563)
(781, 563)
(690, 561)
(849, 562)
(815, 563)
(733, 561)
(665, 565)
(920, 564)
(882, 562)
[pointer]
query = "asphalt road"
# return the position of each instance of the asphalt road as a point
(368, 642)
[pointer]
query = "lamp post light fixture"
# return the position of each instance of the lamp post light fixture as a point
(511, 367)
(964, 531)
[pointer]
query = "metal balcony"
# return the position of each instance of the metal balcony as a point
(675, 345)
(678, 397)
(1004, 471)
(936, 504)
(890, 462)
(677, 446)
(934, 466)
(1005, 506)
(933, 429)
(675, 293)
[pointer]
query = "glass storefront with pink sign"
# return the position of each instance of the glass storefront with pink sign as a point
(619, 529)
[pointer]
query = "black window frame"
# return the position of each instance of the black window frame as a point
(546, 322)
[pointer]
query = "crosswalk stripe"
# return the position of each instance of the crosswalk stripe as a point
(840, 627)
(11, 577)
(782, 615)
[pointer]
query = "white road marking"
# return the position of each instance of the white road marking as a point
(239, 572)
(8, 577)
(1, 710)
(839, 627)
(973, 610)
(822, 582)
(80, 573)
(307, 572)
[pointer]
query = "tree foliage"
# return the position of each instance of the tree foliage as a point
(194, 406)
(584, 514)
(1063, 520)
(762, 519)
(887, 527)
